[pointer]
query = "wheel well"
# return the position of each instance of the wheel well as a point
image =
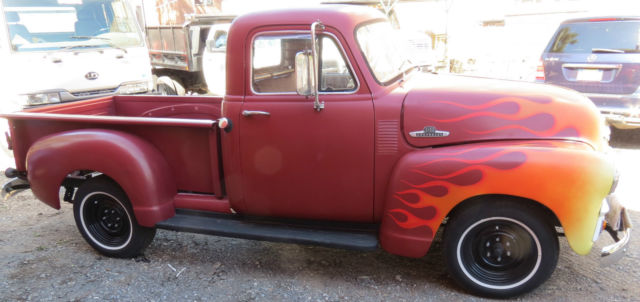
(549, 215)
(76, 178)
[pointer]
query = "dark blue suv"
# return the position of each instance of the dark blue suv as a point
(599, 57)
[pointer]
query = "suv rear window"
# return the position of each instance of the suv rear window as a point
(597, 37)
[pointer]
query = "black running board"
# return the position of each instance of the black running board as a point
(232, 226)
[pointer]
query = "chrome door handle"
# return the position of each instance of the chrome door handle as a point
(250, 113)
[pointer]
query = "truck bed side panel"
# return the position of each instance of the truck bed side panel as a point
(136, 165)
(189, 151)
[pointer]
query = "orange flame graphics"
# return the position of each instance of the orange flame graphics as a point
(433, 180)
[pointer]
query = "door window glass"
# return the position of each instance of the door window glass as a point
(335, 74)
(273, 64)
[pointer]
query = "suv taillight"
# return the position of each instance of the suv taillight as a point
(540, 71)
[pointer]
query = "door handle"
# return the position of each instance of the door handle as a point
(250, 113)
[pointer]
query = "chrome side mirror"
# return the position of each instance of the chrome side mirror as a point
(317, 105)
(304, 83)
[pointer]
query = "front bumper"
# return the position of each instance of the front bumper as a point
(621, 111)
(618, 225)
(621, 121)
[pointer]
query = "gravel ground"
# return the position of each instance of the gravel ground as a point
(44, 258)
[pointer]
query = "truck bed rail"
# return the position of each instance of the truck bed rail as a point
(150, 121)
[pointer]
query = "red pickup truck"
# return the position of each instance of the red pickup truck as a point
(328, 135)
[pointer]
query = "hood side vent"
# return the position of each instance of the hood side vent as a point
(387, 132)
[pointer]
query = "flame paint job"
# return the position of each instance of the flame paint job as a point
(489, 110)
(531, 141)
(426, 185)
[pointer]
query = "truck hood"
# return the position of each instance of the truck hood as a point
(447, 109)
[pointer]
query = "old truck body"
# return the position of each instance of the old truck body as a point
(355, 155)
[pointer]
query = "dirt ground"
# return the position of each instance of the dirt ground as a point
(44, 258)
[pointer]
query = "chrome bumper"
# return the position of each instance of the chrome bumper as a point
(618, 226)
(621, 235)
(14, 186)
(621, 121)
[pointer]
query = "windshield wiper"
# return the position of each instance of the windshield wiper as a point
(109, 41)
(606, 50)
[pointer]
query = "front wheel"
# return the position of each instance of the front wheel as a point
(500, 248)
(105, 219)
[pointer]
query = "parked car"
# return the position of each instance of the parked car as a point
(599, 57)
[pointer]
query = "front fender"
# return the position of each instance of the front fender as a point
(136, 165)
(569, 178)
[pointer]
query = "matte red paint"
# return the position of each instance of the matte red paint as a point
(353, 161)
(133, 163)
(201, 202)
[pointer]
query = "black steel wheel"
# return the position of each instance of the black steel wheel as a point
(500, 248)
(105, 219)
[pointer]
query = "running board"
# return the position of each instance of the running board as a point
(230, 226)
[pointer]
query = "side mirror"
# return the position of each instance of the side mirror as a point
(304, 83)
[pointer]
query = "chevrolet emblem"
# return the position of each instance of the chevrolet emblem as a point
(429, 131)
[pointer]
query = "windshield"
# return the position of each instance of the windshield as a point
(384, 50)
(597, 37)
(43, 25)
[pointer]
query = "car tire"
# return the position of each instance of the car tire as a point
(105, 219)
(500, 248)
(168, 86)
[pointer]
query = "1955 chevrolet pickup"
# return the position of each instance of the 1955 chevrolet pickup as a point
(328, 135)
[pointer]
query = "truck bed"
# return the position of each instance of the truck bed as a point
(181, 128)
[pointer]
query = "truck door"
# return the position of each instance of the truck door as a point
(298, 162)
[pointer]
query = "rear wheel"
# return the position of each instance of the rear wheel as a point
(105, 219)
(500, 248)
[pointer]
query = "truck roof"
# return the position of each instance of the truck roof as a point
(338, 15)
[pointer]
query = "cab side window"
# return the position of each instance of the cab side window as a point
(273, 64)
(335, 75)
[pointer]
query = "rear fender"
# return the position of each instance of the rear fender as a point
(136, 165)
(569, 178)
